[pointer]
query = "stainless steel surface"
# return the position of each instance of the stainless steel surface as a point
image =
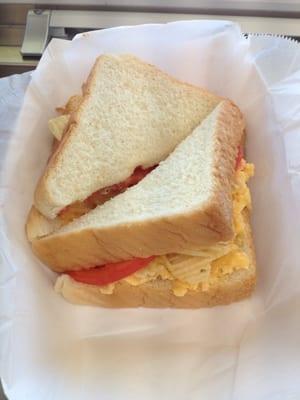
(41, 25)
(106, 19)
(65, 23)
(195, 6)
(36, 32)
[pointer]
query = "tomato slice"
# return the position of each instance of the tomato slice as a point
(109, 273)
(239, 157)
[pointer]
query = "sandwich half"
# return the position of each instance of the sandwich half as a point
(129, 117)
(180, 237)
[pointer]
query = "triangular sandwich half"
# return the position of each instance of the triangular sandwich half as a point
(131, 115)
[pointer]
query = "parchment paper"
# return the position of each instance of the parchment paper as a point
(54, 350)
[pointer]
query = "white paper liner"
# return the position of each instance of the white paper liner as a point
(53, 350)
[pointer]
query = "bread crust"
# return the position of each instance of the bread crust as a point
(158, 294)
(44, 200)
(38, 226)
(207, 225)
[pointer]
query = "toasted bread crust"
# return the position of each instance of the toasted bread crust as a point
(158, 294)
(38, 226)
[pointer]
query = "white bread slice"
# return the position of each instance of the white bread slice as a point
(131, 114)
(158, 294)
(181, 205)
(235, 286)
(37, 225)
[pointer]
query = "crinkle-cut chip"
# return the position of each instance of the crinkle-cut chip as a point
(71, 106)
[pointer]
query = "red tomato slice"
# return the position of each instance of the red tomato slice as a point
(109, 273)
(239, 157)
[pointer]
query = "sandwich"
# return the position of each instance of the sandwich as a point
(172, 227)
(129, 117)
